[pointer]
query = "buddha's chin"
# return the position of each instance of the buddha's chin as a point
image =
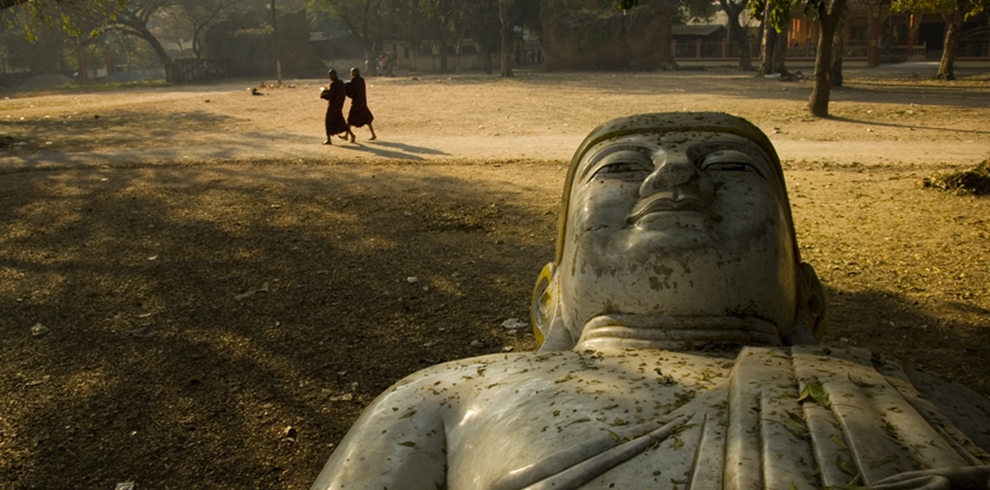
(680, 333)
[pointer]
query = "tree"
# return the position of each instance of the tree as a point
(954, 11)
(483, 23)
(194, 17)
(737, 32)
(100, 18)
(132, 19)
(43, 51)
(68, 15)
(829, 13)
(441, 17)
(369, 21)
(47, 7)
(776, 19)
(505, 15)
(838, 47)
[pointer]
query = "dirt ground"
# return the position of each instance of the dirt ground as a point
(195, 293)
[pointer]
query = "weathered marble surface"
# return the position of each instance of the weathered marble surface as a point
(676, 248)
(566, 419)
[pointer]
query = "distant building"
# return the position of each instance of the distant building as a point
(879, 35)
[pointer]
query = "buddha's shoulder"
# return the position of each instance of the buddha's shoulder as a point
(560, 368)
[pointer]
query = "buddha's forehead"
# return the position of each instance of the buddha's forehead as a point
(662, 139)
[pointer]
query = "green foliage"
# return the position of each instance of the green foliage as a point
(695, 10)
(37, 51)
(923, 6)
(253, 40)
(688, 9)
(483, 25)
(596, 26)
(974, 7)
(780, 11)
(75, 17)
(369, 21)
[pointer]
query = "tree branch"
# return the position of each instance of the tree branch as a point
(6, 4)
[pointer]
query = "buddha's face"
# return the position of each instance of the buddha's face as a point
(671, 233)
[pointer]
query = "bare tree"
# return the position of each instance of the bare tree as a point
(505, 15)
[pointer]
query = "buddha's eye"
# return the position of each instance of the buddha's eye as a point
(623, 165)
(729, 161)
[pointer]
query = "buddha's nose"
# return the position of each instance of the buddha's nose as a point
(673, 170)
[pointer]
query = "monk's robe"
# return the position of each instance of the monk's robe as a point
(359, 114)
(335, 122)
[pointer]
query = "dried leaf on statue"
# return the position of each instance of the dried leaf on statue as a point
(813, 392)
(844, 466)
(836, 439)
(795, 420)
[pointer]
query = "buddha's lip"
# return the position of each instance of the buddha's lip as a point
(663, 204)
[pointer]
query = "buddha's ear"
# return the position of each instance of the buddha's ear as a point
(548, 327)
(811, 317)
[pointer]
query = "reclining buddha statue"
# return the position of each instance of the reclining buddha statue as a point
(679, 349)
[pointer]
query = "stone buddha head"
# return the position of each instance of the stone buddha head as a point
(676, 232)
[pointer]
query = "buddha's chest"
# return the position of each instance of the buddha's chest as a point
(531, 424)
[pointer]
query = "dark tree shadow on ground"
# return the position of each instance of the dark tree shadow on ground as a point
(163, 362)
(897, 327)
(908, 126)
(222, 327)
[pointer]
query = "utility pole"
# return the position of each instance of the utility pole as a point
(278, 55)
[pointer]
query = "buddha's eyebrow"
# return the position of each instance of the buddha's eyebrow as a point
(593, 161)
(701, 150)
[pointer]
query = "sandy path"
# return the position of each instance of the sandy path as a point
(533, 117)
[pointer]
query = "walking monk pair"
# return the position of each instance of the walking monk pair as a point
(359, 114)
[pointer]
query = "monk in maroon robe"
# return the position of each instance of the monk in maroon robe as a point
(335, 122)
(359, 114)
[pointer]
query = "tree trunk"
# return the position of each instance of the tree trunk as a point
(370, 60)
(367, 44)
(737, 33)
(457, 51)
(278, 51)
(946, 68)
(778, 60)
(774, 43)
(443, 55)
(143, 33)
(828, 18)
(664, 37)
(838, 49)
(505, 15)
(133, 24)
